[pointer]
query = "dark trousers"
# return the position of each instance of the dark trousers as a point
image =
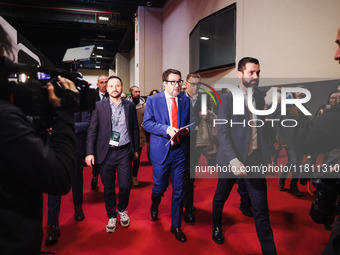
(116, 161)
(257, 189)
(77, 193)
(294, 159)
(242, 190)
(333, 245)
(135, 164)
(95, 170)
(173, 166)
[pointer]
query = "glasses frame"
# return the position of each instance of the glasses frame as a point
(173, 83)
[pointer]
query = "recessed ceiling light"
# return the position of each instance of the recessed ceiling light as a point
(97, 66)
(100, 47)
(204, 38)
(99, 56)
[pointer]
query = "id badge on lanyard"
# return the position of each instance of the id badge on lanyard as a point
(114, 139)
(115, 135)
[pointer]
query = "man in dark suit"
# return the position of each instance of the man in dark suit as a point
(101, 93)
(164, 114)
(112, 141)
(241, 146)
(81, 124)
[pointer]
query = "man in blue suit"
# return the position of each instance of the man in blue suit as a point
(241, 146)
(164, 115)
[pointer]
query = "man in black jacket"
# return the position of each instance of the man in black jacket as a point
(315, 136)
(30, 168)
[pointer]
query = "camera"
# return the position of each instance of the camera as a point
(31, 95)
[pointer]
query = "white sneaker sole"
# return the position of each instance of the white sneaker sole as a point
(125, 225)
(110, 230)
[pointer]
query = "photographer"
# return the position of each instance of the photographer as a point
(316, 136)
(29, 167)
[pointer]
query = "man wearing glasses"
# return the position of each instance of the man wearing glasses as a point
(164, 115)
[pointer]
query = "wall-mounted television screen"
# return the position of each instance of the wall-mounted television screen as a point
(213, 41)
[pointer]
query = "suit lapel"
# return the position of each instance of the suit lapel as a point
(163, 105)
(126, 112)
(107, 112)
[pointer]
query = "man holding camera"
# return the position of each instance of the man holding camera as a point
(29, 167)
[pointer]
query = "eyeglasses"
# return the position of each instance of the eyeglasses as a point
(194, 84)
(333, 98)
(173, 83)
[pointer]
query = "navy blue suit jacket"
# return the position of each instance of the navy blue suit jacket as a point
(99, 132)
(234, 141)
(156, 122)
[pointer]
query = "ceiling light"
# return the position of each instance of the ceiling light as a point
(101, 36)
(100, 47)
(99, 56)
(204, 38)
(97, 66)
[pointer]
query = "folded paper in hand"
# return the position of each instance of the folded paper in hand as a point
(179, 130)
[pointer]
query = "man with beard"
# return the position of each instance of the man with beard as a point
(113, 137)
(165, 113)
(240, 146)
(140, 108)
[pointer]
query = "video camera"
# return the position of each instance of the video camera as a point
(30, 94)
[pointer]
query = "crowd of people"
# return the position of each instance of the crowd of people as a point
(110, 140)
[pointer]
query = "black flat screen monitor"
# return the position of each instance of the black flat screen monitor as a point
(213, 41)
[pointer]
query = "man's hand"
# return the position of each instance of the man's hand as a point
(89, 160)
(66, 83)
(237, 168)
(136, 154)
(171, 131)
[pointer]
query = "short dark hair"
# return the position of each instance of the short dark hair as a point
(194, 75)
(242, 63)
(166, 73)
(131, 88)
(115, 77)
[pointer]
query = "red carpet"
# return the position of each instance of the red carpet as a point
(294, 231)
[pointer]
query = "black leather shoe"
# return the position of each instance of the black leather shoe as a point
(178, 234)
(246, 210)
(189, 217)
(154, 212)
(79, 214)
(53, 235)
(217, 235)
(94, 184)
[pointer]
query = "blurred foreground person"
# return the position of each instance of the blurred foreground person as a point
(29, 167)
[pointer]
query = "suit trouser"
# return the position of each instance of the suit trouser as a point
(257, 189)
(294, 159)
(173, 166)
(120, 161)
(54, 201)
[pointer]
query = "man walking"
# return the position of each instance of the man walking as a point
(113, 138)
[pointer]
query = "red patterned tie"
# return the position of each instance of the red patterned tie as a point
(174, 116)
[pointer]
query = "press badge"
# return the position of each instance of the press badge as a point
(114, 140)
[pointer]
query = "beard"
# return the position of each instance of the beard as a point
(135, 100)
(250, 83)
(117, 95)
